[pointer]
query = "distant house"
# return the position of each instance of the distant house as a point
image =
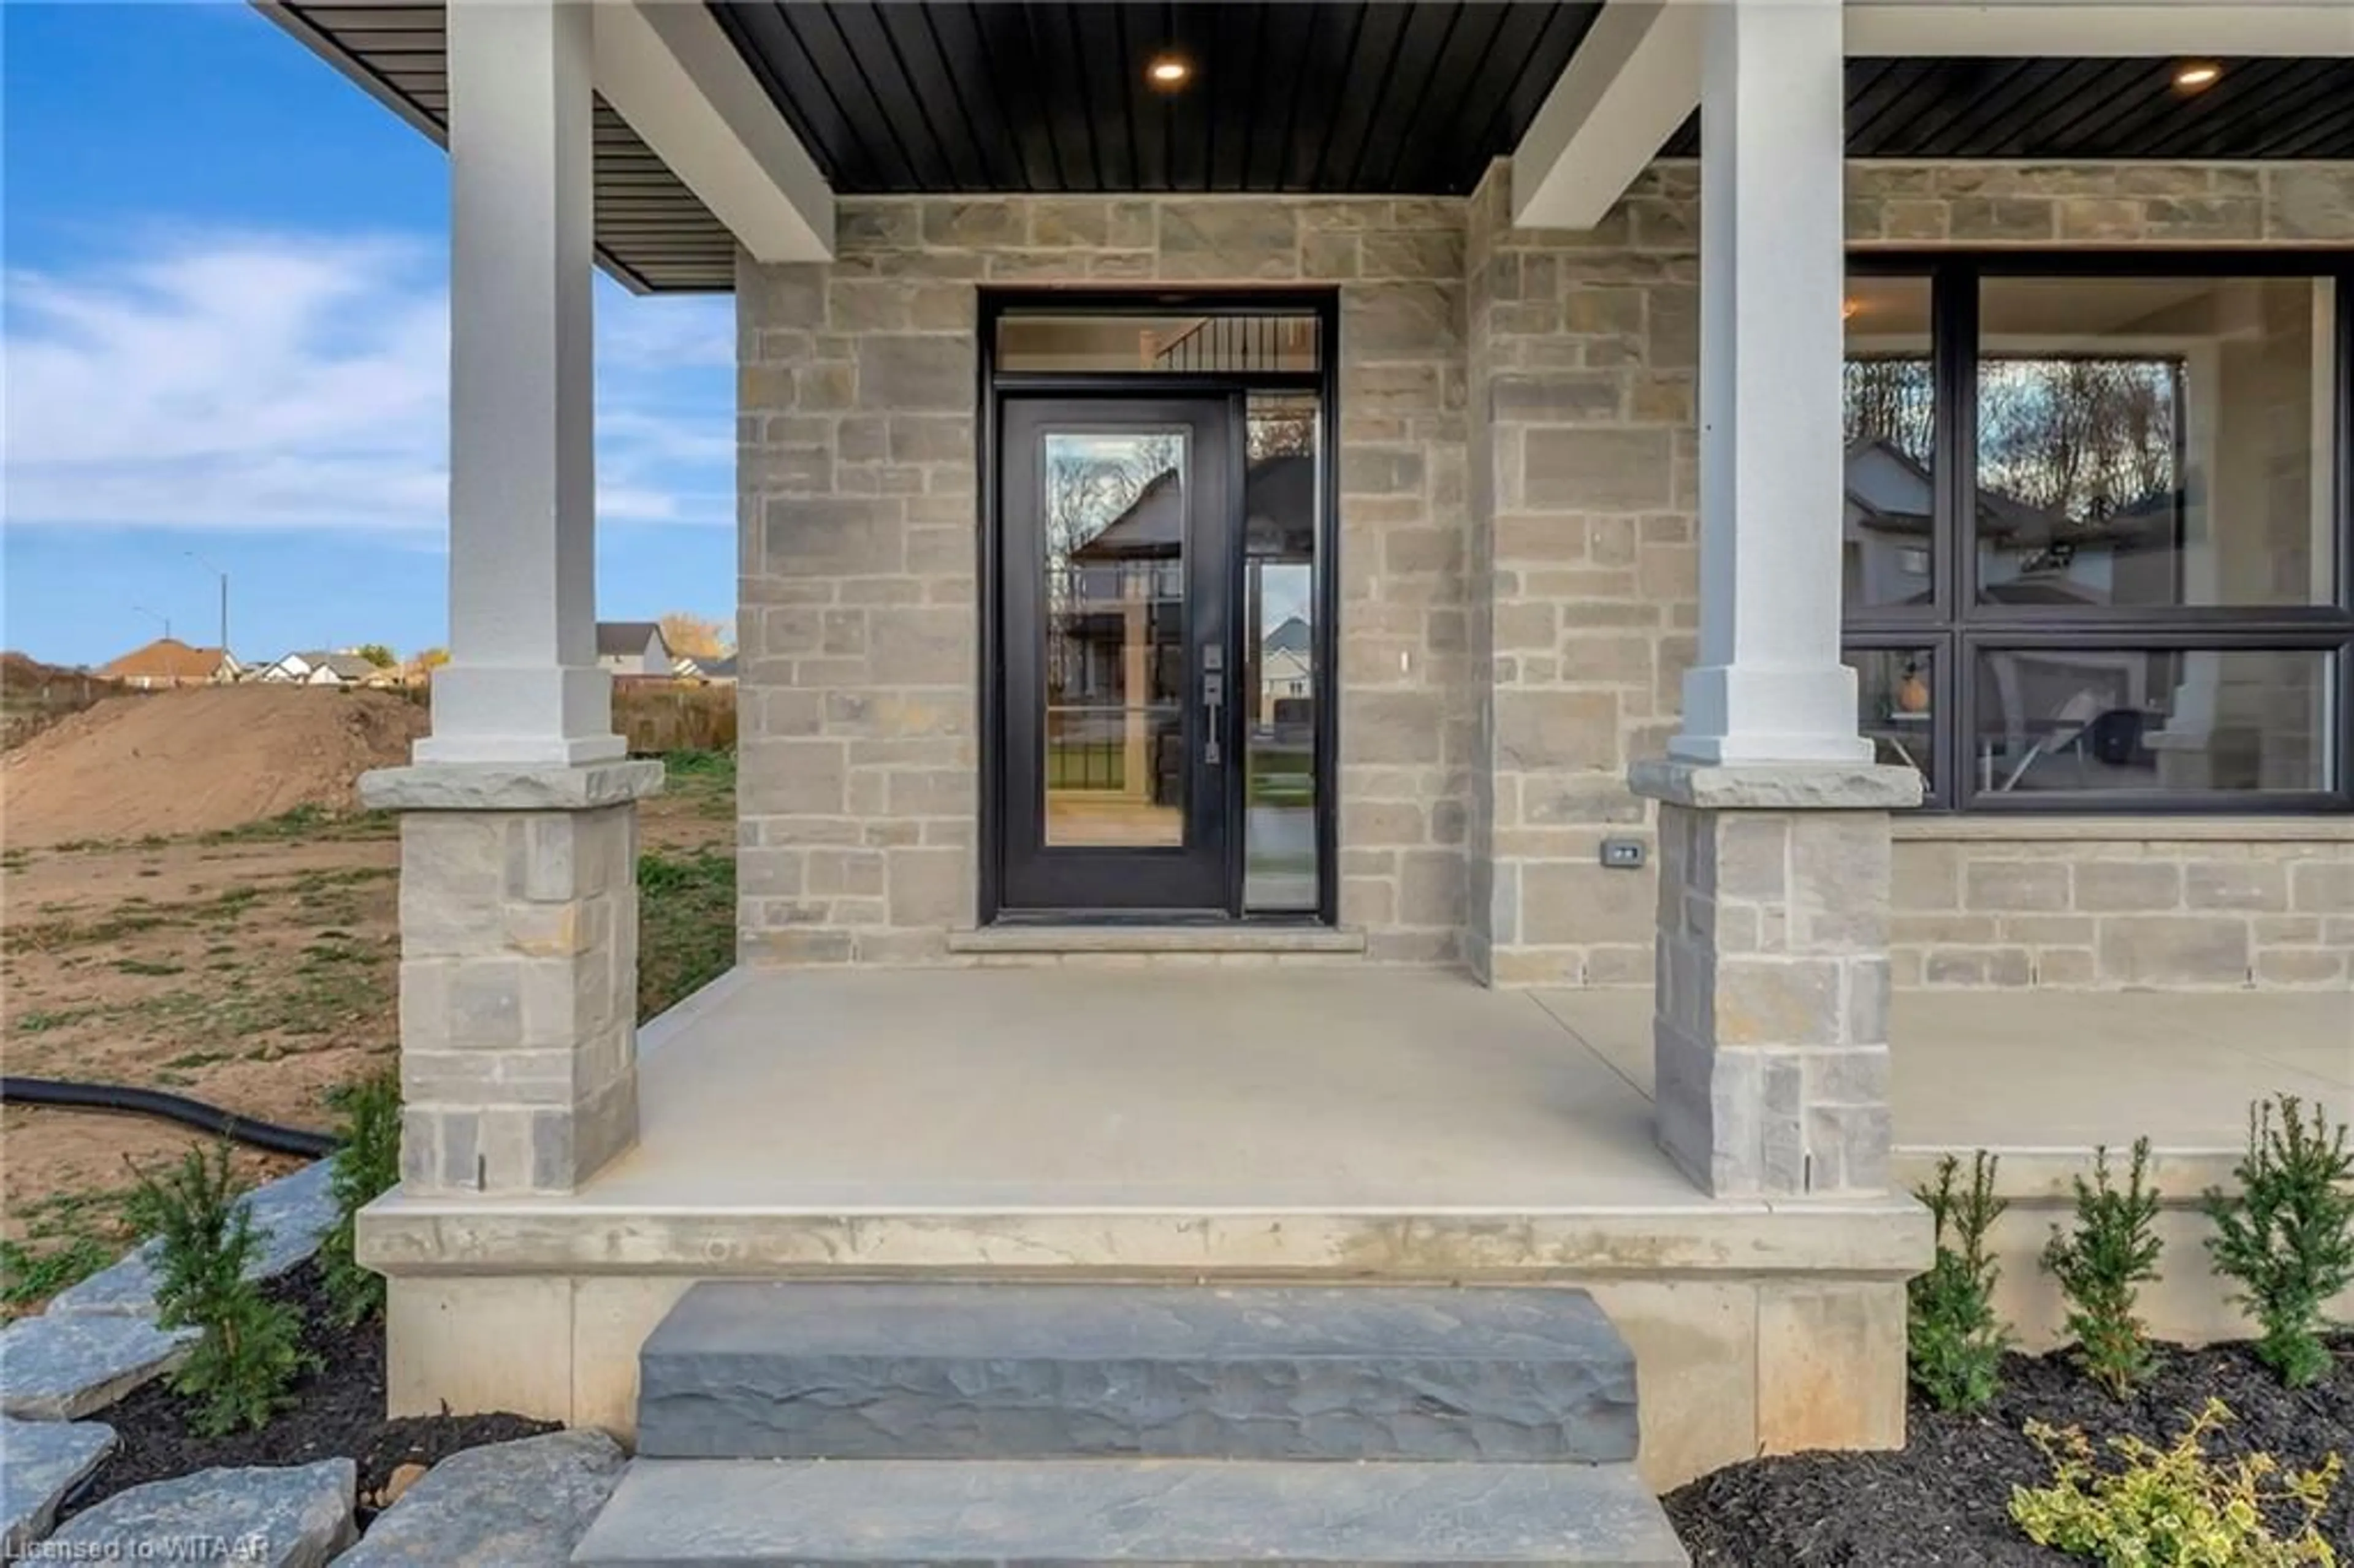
(716, 672)
(319, 667)
(632, 648)
(168, 661)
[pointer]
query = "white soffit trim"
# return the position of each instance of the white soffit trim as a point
(1636, 76)
(1633, 79)
(668, 69)
(2119, 29)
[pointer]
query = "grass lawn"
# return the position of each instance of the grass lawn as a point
(256, 969)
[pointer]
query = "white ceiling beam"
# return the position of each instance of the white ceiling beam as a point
(1634, 78)
(669, 71)
(2126, 29)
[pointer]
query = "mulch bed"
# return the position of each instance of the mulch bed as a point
(1942, 1501)
(337, 1411)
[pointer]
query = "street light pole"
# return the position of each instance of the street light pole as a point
(224, 597)
(156, 615)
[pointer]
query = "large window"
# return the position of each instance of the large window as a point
(2097, 531)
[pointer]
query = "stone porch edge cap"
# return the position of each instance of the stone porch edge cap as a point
(509, 786)
(1776, 785)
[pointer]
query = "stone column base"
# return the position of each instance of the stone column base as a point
(518, 970)
(1770, 1024)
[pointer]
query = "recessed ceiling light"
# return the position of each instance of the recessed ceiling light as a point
(1168, 70)
(2193, 75)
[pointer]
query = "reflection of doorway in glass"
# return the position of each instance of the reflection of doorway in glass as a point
(1115, 511)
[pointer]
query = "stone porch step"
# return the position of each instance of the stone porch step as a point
(739, 1513)
(810, 1370)
(1047, 941)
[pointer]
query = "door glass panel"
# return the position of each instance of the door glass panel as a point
(1114, 656)
(1281, 509)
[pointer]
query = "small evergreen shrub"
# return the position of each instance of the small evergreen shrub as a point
(1954, 1341)
(366, 1166)
(2286, 1236)
(2101, 1266)
(250, 1352)
(2172, 1506)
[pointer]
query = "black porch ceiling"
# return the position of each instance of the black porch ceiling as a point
(2090, 109)
(898, 96)
(1403, 96)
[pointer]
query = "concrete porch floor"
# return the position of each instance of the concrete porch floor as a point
(1355, 1088)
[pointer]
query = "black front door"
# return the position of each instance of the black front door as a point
(1118, 563)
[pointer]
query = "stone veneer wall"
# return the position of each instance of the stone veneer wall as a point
(857, 389)
(1518, 561)
(1584, 539)
(2197, 905)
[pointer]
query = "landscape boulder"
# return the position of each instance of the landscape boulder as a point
(40, 1462)
(61, 1365)
(523, 1504)
(292, 1215)
(293, 1518)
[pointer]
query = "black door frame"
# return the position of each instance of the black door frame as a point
(1324, 306)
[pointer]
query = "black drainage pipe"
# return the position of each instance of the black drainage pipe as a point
(238, 1128)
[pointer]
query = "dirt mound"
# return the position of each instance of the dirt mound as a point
(199, 759)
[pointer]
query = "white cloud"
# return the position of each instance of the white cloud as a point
(287, 380)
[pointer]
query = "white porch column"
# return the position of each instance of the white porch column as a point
(1768, 685)
(522, 684)
(519, 895)
(1769, 1034)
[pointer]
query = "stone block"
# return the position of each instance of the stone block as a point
(1211, 240)
(2174, 950)
(726, 1513)
(906, 374)
(2104, 886)
(1766, 1000)
(2237, 884)
(2310, 202)
(1574, 902)
(1544, 730)
(1598, 469)
(937, 1371)
(2000, 219)
(2023, 885)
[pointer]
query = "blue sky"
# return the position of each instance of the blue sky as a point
(225, 329)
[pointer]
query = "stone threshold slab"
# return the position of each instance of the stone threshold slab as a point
(1194, 1512)
(1027, 938)
(1874, 1238)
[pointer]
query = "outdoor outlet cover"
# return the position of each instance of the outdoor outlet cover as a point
(1623, 854)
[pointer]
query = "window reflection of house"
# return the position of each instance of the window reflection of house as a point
(2067, 719)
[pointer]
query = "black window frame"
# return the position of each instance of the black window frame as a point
(1955, 629)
